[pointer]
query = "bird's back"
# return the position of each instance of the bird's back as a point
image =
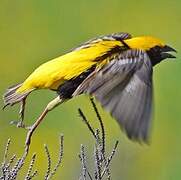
(53, 73)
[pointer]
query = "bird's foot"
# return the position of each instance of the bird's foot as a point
(18, 124)
(28, 128)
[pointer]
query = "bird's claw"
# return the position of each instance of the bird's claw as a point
(18, 124)
(28, 128)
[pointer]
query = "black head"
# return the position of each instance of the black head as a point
(158, 53)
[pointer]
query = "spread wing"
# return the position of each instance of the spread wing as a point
(124, 88)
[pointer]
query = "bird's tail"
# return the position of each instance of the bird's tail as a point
(11, 96)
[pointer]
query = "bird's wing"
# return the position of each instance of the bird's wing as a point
(124, 88)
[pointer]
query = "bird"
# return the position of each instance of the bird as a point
(116, 69)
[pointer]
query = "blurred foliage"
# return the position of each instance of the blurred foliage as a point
(32, 32)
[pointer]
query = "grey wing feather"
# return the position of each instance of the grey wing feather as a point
(124, 88)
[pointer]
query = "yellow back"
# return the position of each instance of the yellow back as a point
(53, 73)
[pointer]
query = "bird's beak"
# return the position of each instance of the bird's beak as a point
(165, 51)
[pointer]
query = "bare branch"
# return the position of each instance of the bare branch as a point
(110, 158)
(101, 124)
(10, 171)
(97, 156)
(83, 161)
(61, 152)
(101, 162)
(49, 162)
(28, 175)
(86, 122)
(89, 174)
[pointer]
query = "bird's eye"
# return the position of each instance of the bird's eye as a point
(157, 48)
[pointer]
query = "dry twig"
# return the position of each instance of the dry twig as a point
(102, 164)
(10, 168)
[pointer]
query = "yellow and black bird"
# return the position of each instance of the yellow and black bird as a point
(116, 69)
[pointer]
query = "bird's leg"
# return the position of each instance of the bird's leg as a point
(21, 114)
(19, 123)
(51, 105)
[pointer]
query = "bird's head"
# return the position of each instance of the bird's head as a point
(156, 49)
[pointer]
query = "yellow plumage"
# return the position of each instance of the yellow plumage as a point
(75, 73)
(144, 42)
(53, 73)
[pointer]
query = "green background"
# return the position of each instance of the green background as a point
(34, 31)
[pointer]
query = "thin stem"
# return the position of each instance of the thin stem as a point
(49, 162)
(61, 152)
(110, 158)
(86, 122)
(101, 124)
